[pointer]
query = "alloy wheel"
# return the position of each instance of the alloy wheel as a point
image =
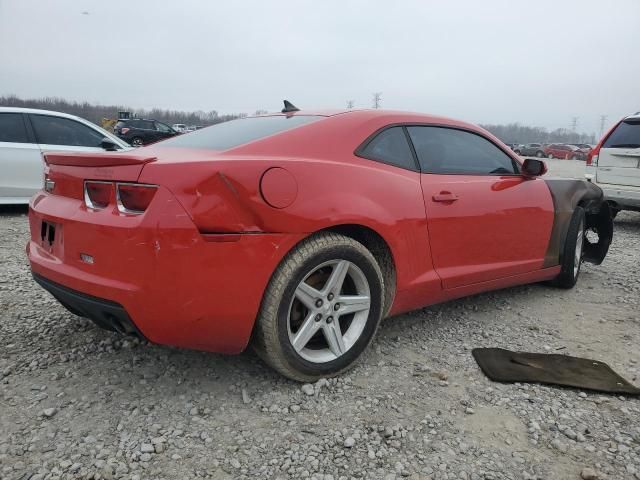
(577, 260)
(329, 311)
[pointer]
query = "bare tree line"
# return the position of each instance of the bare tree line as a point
(95, 113)
(516, 133)
(511, 133)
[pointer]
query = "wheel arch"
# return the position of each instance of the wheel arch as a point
(381, 251)
(568, 194)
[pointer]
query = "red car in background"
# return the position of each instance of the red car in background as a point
(298, 232)
(564, 152)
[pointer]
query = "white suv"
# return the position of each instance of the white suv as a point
(25, 134)
(614, 165)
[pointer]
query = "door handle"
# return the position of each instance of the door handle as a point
(445, 197)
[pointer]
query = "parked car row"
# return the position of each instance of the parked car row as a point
(564, 151)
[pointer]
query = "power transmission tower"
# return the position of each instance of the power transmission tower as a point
(574, 123)
(349, 104)
(603, 119)
(377, 97)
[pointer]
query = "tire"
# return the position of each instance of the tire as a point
(517, 152)
(550, 155)
(293, 296)
(137, 142)
(573, 251)
(539, 154)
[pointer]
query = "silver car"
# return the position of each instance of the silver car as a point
(25, 134)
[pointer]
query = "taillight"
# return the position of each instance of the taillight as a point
(134, 198)
(592, 159)
(124, 130)
(97, 195)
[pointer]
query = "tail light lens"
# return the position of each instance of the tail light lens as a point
(124, 130)
(592, 159)
(134, 198)
(97, 195)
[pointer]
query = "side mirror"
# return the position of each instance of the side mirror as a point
(108, 144)
(533, 168)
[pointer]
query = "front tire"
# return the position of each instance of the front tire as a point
(321, 308)
(539, 154)
(573, 251)
(137, 142)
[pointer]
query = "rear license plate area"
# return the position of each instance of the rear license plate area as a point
(50, 234)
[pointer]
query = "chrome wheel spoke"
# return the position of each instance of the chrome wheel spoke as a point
(307, 295)
(308, 328)
(353, 304)
(334, 337)
(334, 284)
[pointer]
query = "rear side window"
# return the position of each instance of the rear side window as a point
(390, 146)
(12, 128)
(224, 136)
(457, 152)
(63, 131)
(626, 135)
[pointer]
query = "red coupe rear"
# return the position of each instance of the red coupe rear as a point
(299, 232)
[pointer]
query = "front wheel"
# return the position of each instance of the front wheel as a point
(539, 154)
(573, 251)
(550, 155)
(137, 142)
(321, 309)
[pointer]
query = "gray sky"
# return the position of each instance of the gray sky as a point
(537, 62)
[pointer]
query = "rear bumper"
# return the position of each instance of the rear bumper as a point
(104, 313)
(174, 285)
(623, 195)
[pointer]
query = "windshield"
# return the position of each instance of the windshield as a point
(224, 136)
(626, 135)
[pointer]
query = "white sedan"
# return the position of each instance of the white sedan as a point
(25, 134)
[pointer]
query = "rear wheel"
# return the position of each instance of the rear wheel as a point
(573, 251)
(539, 154)
(550, 155)
(321, 308)
(137, 142)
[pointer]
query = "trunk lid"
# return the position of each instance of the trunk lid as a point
(619, 156)
(65, 173)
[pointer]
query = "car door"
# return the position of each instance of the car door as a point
(21, 166)
(619, 156)
(64, 134)
(486, 221)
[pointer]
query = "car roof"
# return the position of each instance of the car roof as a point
(39, 111)
(381, 115)
(634, 116)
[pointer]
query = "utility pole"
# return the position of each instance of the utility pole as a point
(376, 99)
(349, 104)
(603, 119)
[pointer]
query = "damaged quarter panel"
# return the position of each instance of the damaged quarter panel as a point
(568, 194)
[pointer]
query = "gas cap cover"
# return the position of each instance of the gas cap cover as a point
(278, 187)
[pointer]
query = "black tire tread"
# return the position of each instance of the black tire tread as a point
(566, 278)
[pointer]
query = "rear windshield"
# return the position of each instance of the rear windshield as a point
(224, 136)
(626, 135)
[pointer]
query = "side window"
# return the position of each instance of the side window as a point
(63, 131)
(162, 127)
(450, 151)
(390, 146)
(12, 128)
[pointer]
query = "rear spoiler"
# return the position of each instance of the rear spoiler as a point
(98, 159)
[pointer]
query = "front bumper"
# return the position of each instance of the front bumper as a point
(175, 285)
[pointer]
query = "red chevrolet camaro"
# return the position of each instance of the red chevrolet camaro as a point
(298, 232)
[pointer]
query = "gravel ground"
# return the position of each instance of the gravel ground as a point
(80, 402)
